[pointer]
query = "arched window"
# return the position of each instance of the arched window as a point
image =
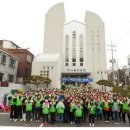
(74, 39)
(81, 41)
(66, 41)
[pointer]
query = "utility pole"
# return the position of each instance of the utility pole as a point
(112, 60)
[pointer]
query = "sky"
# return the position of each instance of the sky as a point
(22, 21)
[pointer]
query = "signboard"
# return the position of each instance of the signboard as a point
(76, 79)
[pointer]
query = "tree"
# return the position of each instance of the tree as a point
(105, 83)
(37, 80)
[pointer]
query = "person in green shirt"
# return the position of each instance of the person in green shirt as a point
(19, 104)
(92, 113)
(52, 111)
(60, 110)
(72, 108)
(125, 108)
(12, 103)
(38, 106)
(78, 113)
(45, 112)
(29, 107)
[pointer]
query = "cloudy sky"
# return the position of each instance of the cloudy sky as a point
(22, 21)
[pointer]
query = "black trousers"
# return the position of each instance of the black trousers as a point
(52, 118)
(106, 115)
(37, 113)
(123, 116)
(45, 117)
(28, 115)
(78, 120)
(91, 118)
(119, 114)
(72, 117)
(99, 117)
(66, 117)
(84, 115)
(18, 112)
(33, 110)
(13, 112)
(128, 115)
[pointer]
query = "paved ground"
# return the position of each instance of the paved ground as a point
(4, 121)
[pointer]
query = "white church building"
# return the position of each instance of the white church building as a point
(73, 52)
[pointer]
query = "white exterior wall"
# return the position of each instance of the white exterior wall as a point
(8, 70)
(53, 33)
(9, 44)
(54, 74)
(97, 52)
(80, 28)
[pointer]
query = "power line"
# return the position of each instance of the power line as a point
(121, 30)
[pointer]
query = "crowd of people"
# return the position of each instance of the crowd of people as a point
(74, 106)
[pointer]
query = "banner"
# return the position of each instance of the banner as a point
(76, 79)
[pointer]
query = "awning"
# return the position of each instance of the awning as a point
(76, 79)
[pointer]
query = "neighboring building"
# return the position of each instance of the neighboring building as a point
(8, 66)
(24, 64)
(80, 46)
(8, 44)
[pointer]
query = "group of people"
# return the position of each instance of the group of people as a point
(74, 106)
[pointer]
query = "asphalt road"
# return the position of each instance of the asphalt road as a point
(4, 121)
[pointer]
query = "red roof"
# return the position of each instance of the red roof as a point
(9, 53)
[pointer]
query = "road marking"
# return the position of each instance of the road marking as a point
(4, 113)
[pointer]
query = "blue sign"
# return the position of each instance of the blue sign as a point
(76, 79)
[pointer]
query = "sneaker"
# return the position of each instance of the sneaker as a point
(71, 122)
(31, 119)
(11, 119)
(106, 121)
(15, 120)
(41, 125)
(21, 119)
(38, 121)
(116, 123)
(89, 124)
(92, 125)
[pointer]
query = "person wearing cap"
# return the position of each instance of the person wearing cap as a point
(12, 103)
(115, 109)
(125, 108)
(128, 114)
(72, 109)
(29, 107)
(99, 107)
(92, 113)
(60, 110)
(38, 106)
(66, 110)
(120, 107)
(106, 109)
(19, 104)
(45, 112)
(78, 113)
(52, 111)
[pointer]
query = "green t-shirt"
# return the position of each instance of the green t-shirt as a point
(28, 106)
(45, 110)
(60, 110)
(19, 101)
(38, 103)
(92, 110)
(72, 106)
(12, 100)
(52, 108)
(78, 112)
(125, 106)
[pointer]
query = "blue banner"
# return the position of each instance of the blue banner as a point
(76, 79)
